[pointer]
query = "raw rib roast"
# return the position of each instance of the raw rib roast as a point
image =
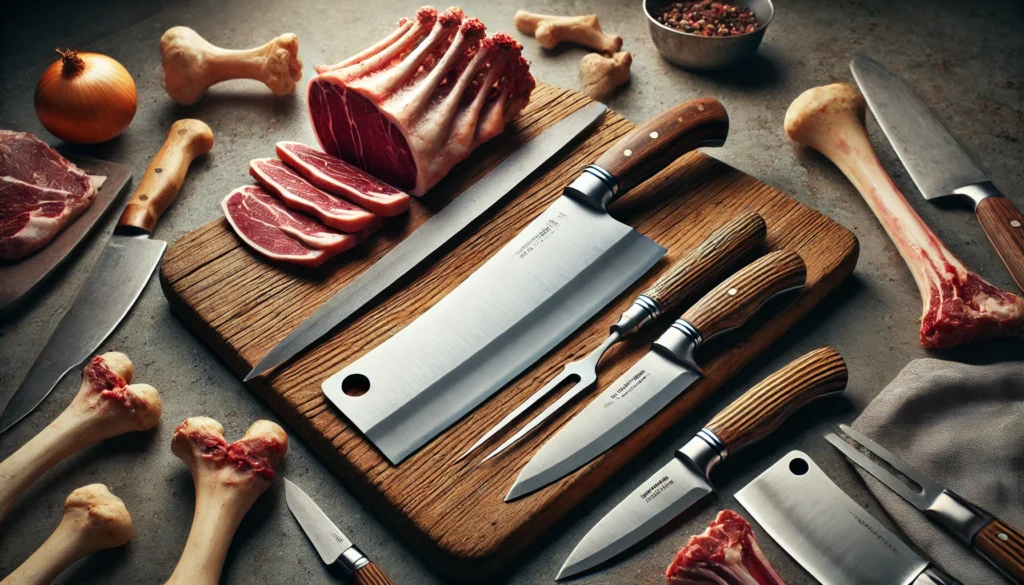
(726, 554)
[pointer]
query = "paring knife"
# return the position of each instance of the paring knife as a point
(661, 375)
(432, 236)
(120, 274)
(833, 538)
(694, 274)
(937, 162)
(332, 545)
(563, 267)
(998, 542)
(686, 479)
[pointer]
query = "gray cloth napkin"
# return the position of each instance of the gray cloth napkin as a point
(962, 426)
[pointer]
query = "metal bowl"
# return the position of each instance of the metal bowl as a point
(701, 53)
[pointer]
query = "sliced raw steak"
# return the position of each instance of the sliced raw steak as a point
(726, 554)
(280, 233)
(40, 193)
(298, 193)
(337, 176)
(410, 107)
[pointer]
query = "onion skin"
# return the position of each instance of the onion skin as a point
(85, 98)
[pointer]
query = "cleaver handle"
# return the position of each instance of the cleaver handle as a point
(1003, 546)
(760, 410)
(1004, 225)
(651, 146)
(162, 181)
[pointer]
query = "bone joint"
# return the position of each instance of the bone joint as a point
(583, 30)
(600, 75)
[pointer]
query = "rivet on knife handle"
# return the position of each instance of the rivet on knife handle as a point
(1004, 225)
(764, 407)
(162, 181)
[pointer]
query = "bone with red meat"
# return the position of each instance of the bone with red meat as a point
(94, 519)
(105, 406)
(725, 554)
(410, 107)
(228, 479)
(959, 306)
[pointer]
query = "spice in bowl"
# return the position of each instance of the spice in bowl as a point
(709, 19)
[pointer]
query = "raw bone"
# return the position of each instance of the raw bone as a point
(410, 107)
(959, 306)
(583, 30)
(94, 519)
(600, 75)
(104, 407)
(228, 480)
(726, 552)
(192, 64)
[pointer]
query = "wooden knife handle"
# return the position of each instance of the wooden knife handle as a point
(764, 407)
(651, 146)
(1004, 225)
(708, 262)
(1003, 546)
(733, 302)
(370, 574)
(186, 140)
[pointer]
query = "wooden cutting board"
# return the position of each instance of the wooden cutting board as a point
(454, 512)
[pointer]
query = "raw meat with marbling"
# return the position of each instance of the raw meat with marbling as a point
(725, 554)
(299, 194)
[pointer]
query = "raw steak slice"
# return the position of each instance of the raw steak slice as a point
(726, 554)
(41, 192)
(297, 193)
(337, 176)
(279, 233)
(412, 106)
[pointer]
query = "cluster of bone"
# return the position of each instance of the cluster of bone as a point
(192, 64)
(600, 72)
(959, 306)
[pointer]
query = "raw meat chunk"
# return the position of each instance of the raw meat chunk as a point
(298, 193)
(726, 554)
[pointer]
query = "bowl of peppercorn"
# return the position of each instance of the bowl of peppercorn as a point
(705, 35)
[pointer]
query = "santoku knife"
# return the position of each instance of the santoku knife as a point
(833, 538)
(937, 162)
(693, 274)
(661, 375)
(330, 542)
(996, 541)
(432, 236)
(120, 274)
(685, 480)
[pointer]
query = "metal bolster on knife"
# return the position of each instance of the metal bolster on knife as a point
(643, 311)
(352, 560)
(594, 187)
(704, 451)
(679, 342)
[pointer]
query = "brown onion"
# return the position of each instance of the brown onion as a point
(85, 98)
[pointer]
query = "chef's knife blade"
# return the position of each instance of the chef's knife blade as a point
(996, 541)
(329, 541)
(548, 280)
(832, 537)
(685, 480)
(661, 375)
(936, 161)
(432, 236)
(119, 276)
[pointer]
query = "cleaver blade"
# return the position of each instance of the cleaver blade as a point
(551, 278)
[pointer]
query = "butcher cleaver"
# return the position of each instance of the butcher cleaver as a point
(833, 538)
(122, 271)
(548, 280)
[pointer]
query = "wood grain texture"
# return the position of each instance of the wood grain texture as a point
(760, 410)
(738, 298)
(370, 574)
(453, 511)
(1004, 225)
(724, 249)
(1003, 546)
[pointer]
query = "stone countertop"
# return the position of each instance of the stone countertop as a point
(966, 60)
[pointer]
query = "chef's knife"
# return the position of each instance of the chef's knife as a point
(833, 538)
(937, 162)
(120, 274)
(661, 375)
(432, 236)
(996, 541)
(560, 270)
(329, 541)
(693, 274)
(685, 480)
